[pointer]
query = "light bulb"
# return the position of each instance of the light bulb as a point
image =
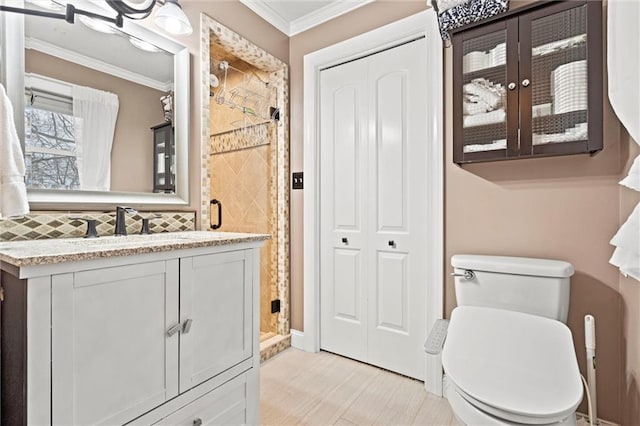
(172, 19)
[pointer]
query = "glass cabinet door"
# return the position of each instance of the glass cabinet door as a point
(554, 80)
(482, 97)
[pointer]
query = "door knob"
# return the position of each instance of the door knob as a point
(345, 240)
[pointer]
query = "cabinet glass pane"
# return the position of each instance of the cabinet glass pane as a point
(484, 104)
(559, 77)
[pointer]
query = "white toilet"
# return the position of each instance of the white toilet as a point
(508, 356)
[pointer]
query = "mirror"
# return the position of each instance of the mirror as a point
(59, 75)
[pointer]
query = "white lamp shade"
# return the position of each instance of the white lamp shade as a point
(172, 19)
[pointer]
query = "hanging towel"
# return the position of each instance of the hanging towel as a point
(623, 62)
(627, 243)
(13, 192)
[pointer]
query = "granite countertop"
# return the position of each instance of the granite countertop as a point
(44, 252)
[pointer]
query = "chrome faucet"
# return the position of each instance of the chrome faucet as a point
(121, 226)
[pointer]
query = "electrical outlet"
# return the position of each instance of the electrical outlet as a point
(297, 180)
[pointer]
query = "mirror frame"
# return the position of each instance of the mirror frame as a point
(12, 74)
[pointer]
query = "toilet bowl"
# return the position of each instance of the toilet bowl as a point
(510, 368)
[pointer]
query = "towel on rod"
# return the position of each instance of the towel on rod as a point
(13, 192)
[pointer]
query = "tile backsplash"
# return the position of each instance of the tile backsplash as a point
(46, 225)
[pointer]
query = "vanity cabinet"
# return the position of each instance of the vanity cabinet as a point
(528, 83)
(158, 338)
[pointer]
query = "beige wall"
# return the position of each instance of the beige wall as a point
(140, 108)
(361, 20)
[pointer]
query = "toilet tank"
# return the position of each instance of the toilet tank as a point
(534, 286)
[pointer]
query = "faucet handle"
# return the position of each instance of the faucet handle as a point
(126, 209)
(91, 226)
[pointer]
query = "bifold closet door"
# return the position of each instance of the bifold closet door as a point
(373, 209)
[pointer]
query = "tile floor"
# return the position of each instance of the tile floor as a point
(301, 388)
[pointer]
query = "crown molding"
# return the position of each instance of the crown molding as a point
(86, 61)
(324, 14)
(308, 21)
(262, 9)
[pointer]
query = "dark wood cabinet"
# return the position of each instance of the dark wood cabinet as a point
(528, 83)
(164, 152)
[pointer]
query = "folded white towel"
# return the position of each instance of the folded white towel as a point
(487, 95)
(473, 108)
(497, 116)
(13, 192)
(495, 145)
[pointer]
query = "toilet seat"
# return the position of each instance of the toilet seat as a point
(514, 366)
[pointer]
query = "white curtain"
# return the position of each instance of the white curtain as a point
(623, 63)
(95, 113)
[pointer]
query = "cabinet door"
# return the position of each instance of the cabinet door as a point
(561, 79)
(111, 357)
(216, 297)
(485, 95)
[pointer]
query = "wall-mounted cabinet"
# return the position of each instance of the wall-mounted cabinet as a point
(529, 83)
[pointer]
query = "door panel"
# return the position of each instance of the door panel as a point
(391, 150)
(397, 303)
(392, 292)
(347, 285)
(95, 354)
(212, 287)
(346, 153)
(342, 188)
(373, 205)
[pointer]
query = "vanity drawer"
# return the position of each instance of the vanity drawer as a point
(225, 405)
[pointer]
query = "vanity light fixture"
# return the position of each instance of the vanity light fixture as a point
(98, 25)
(143, 45)
(172, 19)
(169, 17)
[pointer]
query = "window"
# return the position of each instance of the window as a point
(50, 148)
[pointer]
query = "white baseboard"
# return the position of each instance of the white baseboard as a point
(297, 339)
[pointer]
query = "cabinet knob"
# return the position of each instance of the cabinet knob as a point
(511, 86)
(525, 82)
(345, 240)
(392, 243)
(197, 422)
(173, 330)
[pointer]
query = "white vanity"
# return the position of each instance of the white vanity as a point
(155, 329)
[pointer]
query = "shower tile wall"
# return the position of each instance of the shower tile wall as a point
(240, 181)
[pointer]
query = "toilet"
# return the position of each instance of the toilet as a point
(508, 356)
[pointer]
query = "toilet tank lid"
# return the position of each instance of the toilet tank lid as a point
(513, 265)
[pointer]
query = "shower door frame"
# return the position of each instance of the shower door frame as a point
(240, 47)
